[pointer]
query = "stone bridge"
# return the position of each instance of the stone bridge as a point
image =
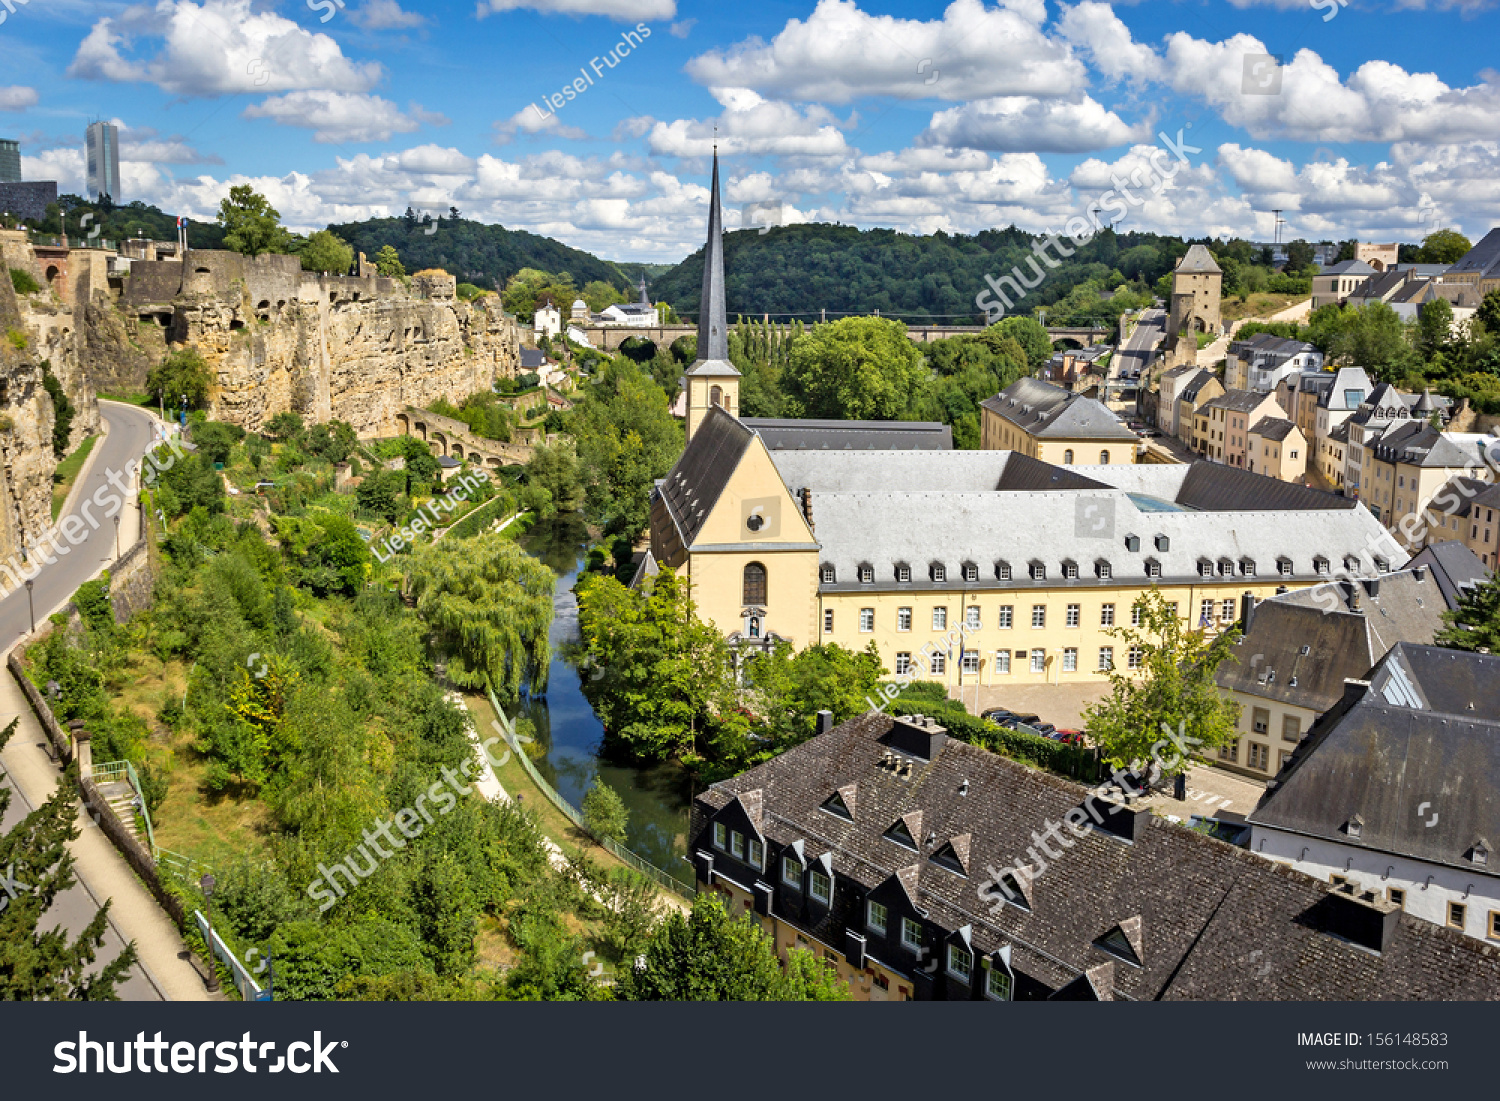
(609, 337)
(446, 436)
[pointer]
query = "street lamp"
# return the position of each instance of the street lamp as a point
(207, 883)
(117, 538)
(31, 606)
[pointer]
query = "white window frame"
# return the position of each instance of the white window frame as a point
(1002, 662)
(1038, 617)
(1070, 659)
(737, 844)
(790, 878)
(866, 621)
(828, 621)
(903, 574)
(1133, 657)
(1075, 615)
(940, 618)
(1007, 617)
(1106, 658)
(867, 575)
(721, 837)
(1107, 615)
(940, 573)
(757, 855)
(911, 941)
(969, 663)
(903, 663)
(972, 619)
(813, 878)
(870, 921)
(989, 984)
(1039, 660)
(903, 619)
(960, 963)
(937, 663)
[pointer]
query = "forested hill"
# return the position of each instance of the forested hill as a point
(806, 268)
(485, 255)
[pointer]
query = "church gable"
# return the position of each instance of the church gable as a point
(755, 507)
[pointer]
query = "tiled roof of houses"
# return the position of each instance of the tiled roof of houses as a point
(1198, 260)
(1273, 428)
(1483, 258)
(1044, 410)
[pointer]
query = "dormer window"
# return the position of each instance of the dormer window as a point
(1479, 853)
(1002, 571)
(1382, 564)
(1103, 570)
(1132, 543)
(971, 572)
(1247, 567)
(867, 575)
(939, 573)
(1351, 563)
(901, 835)
(1070, 569)
(1205, 567)
(1163, 543)
(829, 575)
(1226, 567)
(1153, 568)
(1284, 566)
(1038, 571)
(903, 573)
(1355, 826)
(837, 806)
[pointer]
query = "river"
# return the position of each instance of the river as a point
(657, 796)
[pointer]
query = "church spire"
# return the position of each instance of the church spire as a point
(713, 330)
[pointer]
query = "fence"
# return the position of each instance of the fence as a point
(124, 772)
(661, 878)
(249, 989)
(474, 522)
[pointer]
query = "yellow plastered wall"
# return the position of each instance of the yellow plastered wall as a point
(701, 394)
(998, 434)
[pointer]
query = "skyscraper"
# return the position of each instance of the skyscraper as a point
(10, 161)
(103, 149)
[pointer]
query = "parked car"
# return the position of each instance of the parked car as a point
(1067, 737)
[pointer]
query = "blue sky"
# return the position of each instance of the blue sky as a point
(1381, 119)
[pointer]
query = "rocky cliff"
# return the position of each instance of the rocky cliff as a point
(277, 338)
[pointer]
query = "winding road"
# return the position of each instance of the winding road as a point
(101, 872)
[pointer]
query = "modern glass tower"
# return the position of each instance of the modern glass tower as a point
(10, 161)
(103, 149)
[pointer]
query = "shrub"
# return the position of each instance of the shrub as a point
(24, 282)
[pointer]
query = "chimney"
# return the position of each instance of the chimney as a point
(1117, 820)
(1420, 573)
(825, 721)
(1247, 611)
(1358, 916)
(1372, 586)
(806, 496)
(917, 736)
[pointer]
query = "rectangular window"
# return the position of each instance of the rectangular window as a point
(1039, 615)
(937, 663)
(1106, 658)
(903, 619)
(1075, 614)
(737, 845)
(828, 622)
(997, 985)
(1070, 659)
(911, 934)
(971, 661)
(1002, 661)
(1007, 615)
(1206, 612)
(1133, 658)
(819, 886)
(1260, 720)
(1230, 751)
(971, 573)
(1226, 611)
(940, 619)
(1070, 571)
(1494, 924)
(903, 664)
(721, 837)
(1135, 615)
(791, 872)
(757, 855)
(971, 617)
(958, 963)
(1039, 661)
(940, 573)
(875, 917)
(828, 575)
(1291, 728)
(867, 575)
(903, 574)
(866, 620)
(1260, 756)
(1457, 912)
(1107, 616)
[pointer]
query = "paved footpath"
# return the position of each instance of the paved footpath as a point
(165, 970)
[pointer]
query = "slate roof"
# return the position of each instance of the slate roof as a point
(1345, 380)
(1454, 566)
(1417, 443)
(1427, 728)
(533, 358)
(1238, 401)
(825, 435)
(1044, 410)
(693, 486)
(1273, 428)
(1207, 920)
(1382, 285)
(1483, 258)
(1198, 259)
(1214, 487)
(713, 328)
(1195, 384)
(1348, 267)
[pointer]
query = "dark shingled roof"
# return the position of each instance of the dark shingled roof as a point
(1300, 655)
(1238, 401)
(827, 435)
(693, 486)
(1483, 258)
(1210, 921)
(1022, 473)
(1272, 428)
(1426, 728)
(1454, 566)
(1214, 487)
(1041, 409)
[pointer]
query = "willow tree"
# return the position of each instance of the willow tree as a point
(489, 606)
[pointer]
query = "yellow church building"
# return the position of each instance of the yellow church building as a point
(966, 567)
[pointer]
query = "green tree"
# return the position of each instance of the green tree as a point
(1027, 332)
(599, 294)
(604, 812)
(1434, 327)
(182, 374)
(708, 956)
(489, 606)
(285, 425)
(857, 368)
(38, 963)
(1299, 256)
(790, 687)
(62, 411)
(1172, 690)
(251, 224)
(1475, 624)
(1444, 246)
(553, 481)
(380, 493)
(388, 262)
(626, 439)
(325, 252)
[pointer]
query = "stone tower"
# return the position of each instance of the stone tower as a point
(1197, 284)
(712, 379)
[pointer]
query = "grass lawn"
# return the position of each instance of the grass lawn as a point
(1258, 305)
(67, 473)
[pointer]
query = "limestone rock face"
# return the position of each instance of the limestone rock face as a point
(26, 460)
